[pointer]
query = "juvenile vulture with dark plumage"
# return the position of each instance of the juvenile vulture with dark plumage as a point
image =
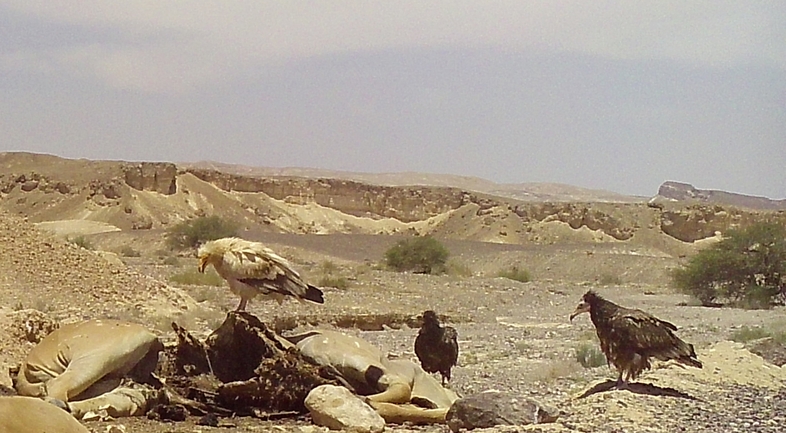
(252, 269)
(436, 346)
(630, 337)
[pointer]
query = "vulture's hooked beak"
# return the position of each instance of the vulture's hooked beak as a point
(584, 307)
(202, 263)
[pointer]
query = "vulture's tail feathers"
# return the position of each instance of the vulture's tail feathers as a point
(314, 294)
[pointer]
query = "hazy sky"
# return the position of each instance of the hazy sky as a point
(618, 95)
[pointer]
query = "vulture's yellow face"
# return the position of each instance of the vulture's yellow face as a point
(203, 262)
(583, 307)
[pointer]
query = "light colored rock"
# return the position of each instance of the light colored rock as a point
(337, 408)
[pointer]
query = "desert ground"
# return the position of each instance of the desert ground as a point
(70, 253)
(513, 336)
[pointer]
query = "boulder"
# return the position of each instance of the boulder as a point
(337, 408)
(492, 408)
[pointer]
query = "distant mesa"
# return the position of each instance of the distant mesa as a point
(671, 191)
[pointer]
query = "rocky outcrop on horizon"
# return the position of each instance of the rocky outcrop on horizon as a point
(685, 192)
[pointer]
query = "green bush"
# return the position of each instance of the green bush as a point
(128, 251)
(189, 234)
(589, 356)
(746, 268)
(421, 254)
(516, 274)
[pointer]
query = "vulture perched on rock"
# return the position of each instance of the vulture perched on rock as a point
(252, 269)
(630, 337)
(436, 346)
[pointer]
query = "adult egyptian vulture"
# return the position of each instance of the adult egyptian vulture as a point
(252, 269)
(630, 337)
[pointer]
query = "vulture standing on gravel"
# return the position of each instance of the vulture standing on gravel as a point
(630, 337)
(252, 269)
(436, 346)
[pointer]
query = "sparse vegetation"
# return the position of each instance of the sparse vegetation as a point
(747, 268)
(335, 281)
(458, 268)
(194, 277)
(330, 276)
(746, 334)
(589, 356)
(189, 234)
(170, 261)
(515, 273)
(128, 251)
(420, 254)
(82, 242)
(609, 280)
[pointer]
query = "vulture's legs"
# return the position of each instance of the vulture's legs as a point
(621, 384)
(242, 305)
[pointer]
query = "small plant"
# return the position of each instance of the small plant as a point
(195, 278)
(170, 261)
(128, 251)
(189, 234)
(458, 268)
(337, 282)
(516, 274)
(82, 242)
(746, 334)
(421, 254)
(609, 280)
(589, 356)
(328, 267)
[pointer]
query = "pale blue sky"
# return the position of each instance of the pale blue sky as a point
(616, 95)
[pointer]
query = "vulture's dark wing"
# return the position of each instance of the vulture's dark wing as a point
(450, 342)
(642, 332)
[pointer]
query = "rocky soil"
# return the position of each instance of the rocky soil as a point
(513, 336)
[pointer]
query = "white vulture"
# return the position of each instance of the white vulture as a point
(252, 269)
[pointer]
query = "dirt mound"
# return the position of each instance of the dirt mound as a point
(44, 272)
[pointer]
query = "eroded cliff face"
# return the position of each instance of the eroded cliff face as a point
(48, 188)
(694, 222)
(160, 177)
(685, 192)
(354, 198)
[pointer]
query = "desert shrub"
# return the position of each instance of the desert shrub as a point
(328, 267)
(420, 254)
(589, 356)
(194, 277)
(609, 280)
(128, 251)
(82, 242)
(330, 276)
(335, 281)
(747, 268)
(746, 334)
(170, 261)
(189, 234)
(458, 268)
(515, 273)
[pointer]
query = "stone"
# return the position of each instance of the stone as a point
(337, 408)
(492, 408)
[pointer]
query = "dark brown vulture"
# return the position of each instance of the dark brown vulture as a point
(630, 337)
(436, 346)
